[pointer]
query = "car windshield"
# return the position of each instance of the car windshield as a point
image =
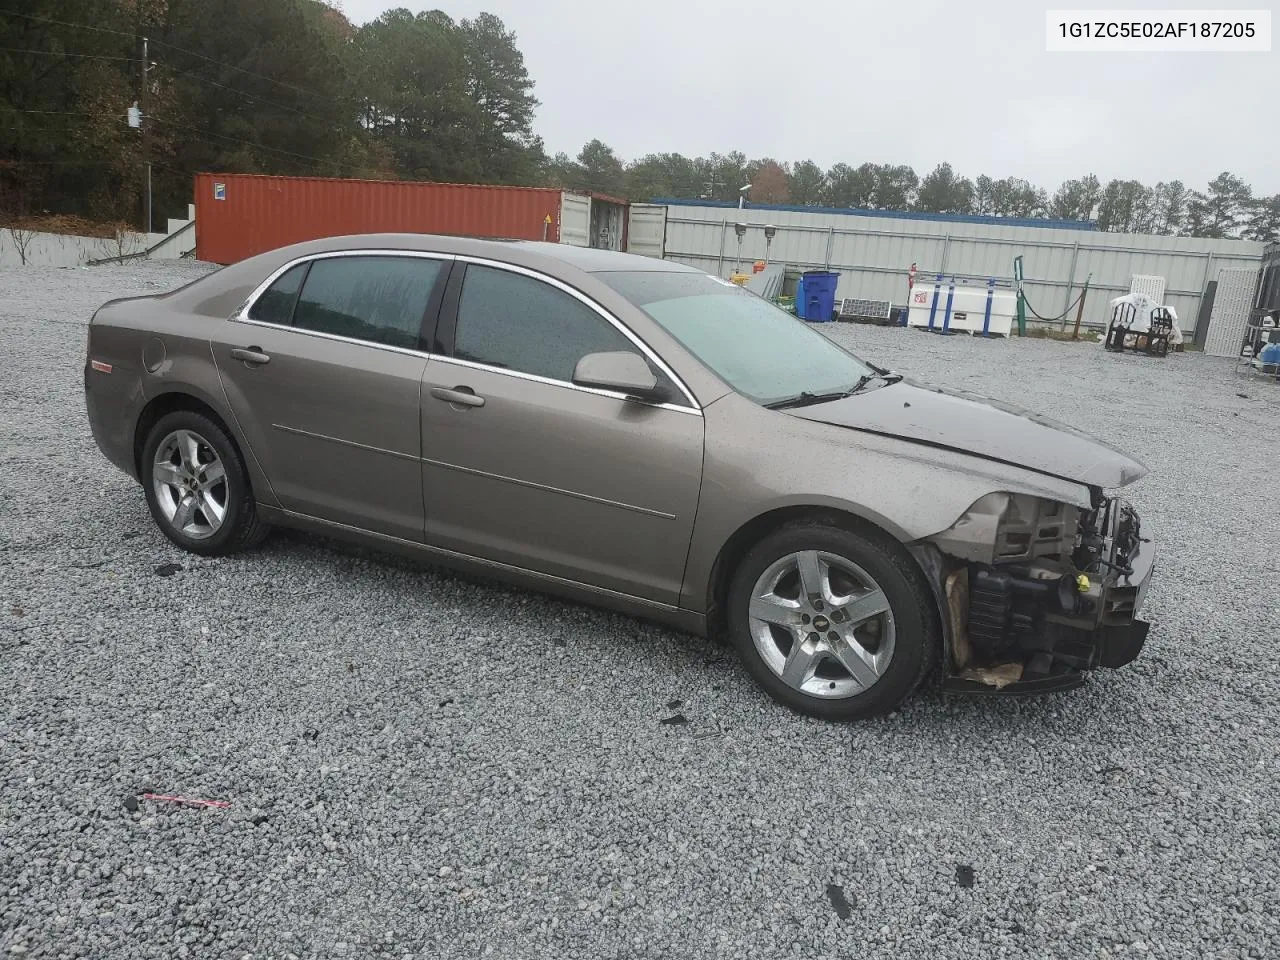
(761, 351)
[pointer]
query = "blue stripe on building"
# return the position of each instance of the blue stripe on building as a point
(886, 214)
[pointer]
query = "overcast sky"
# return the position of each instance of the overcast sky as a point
(914, 81)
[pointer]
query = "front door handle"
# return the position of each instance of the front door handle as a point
(252, 355)
(462, 396)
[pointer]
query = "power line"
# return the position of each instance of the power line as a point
(56, 163)
(162, 43)
(190, 72)
(86, 162)
(64, 23)
(62, 113)
(191, 75)
(199, 133)
(62, 53)
(187, 73)
(232, 66)
(169, 166)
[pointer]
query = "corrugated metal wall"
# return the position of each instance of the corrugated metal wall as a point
(873, 254)
(250, 213)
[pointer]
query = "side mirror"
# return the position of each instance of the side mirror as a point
(620, 370)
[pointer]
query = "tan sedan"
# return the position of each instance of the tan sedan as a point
(632, 433)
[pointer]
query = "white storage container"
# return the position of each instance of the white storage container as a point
(952, 305)
(647, 229)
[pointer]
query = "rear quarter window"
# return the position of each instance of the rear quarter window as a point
(277, 301)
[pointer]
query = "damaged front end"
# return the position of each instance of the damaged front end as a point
(1036, 592)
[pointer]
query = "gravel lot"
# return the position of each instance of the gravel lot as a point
(423, 766)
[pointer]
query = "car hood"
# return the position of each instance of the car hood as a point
(968, 423)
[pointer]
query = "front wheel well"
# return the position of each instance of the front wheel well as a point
(755, 530)
(164, 405)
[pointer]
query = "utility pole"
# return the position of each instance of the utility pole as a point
(145, 124)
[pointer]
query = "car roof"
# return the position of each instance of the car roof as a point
(221, 292)
(594, 260)
(528, 253)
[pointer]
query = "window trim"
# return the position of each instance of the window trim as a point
(447, 326)
(430, 316)
(563, 384)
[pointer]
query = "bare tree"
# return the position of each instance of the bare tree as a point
(15, 194)
(120, 242)
(21, 235)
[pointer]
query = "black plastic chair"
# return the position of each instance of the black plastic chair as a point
(1160, 332)
(1121, 317)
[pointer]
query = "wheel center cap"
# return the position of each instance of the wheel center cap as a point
(820, 623)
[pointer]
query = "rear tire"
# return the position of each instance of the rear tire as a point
(834, 623)
(197, 486)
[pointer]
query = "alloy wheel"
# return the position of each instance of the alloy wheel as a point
(822, 624)
(190, 484)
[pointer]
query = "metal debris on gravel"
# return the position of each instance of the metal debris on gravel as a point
(490, 781)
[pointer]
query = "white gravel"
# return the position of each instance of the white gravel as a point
(423, 766)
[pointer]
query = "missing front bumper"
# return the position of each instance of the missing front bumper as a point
(1028, 646)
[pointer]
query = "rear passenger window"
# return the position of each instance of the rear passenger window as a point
(518, 323)
(378, 299)
(276, 303)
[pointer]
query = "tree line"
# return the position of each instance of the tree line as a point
(293, 87)
(255, 86)
(1226, 207)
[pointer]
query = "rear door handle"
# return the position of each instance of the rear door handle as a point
(250, 355)
(462, 396)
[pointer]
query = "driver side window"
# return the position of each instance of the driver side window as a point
(515, 322)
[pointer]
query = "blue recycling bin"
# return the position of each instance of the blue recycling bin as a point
(816, 296)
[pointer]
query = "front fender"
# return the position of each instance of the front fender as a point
(758, 461)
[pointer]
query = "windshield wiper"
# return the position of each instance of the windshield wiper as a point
(804, 398)
(866, 378)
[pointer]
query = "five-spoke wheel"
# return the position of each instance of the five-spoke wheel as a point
(197, 485)
(833, 621)
(190, 484)
(822, 624)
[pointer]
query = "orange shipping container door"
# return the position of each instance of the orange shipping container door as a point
(239, 215)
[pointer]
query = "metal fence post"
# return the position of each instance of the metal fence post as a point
(946, 247)
(1071, 283)
(1204, 281)
(831, 235)
(724, 228)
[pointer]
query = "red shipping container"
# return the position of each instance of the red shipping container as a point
(239, 215)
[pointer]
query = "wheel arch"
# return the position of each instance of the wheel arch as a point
(757, 528)
(182, 398)
(161, 406)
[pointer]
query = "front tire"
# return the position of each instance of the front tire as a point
(832, 622)
(197, 486)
